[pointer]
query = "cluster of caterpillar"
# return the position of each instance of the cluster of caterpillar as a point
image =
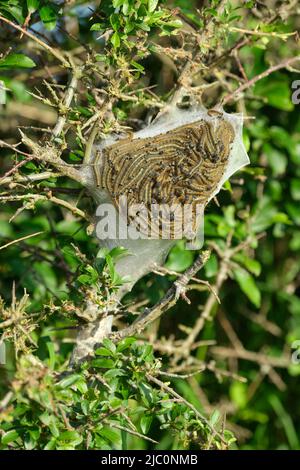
(179, 167)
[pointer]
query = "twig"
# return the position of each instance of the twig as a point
(14, 148)
(170, 299)
(66, 103)
(5, 401)
(20, 239)
(90, 143)
(131, 431)
(49, 154)
(39, 197)
(260, 358)
(50, 49)
(211, 301)
(29, 178)
(28, 158)
(282, 65)
(197, 413)
(273, 34)
(162, 271)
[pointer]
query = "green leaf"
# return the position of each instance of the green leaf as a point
(179, 259)
(125, 343)
(70, 380)
(115, 21)
(246, 140)
(85, 407)
(215, 417)
(103, 363)
(124, 440)
(286, 422)
(211, 266)
(32, 5)
(97, 27)
(51, 445)
(137, 66)
(276, 159)
(145, 423)
(84, 279)
(118, 252)
(250, 264)
(14, 61)
(264, 215)
(248, 286)
(109, 345)
(17, 88)
(48, 16)
(14, 10)
(72, 437)
(112, 373)
(119, 3)
(52, 354)
(276, 90)
(51, 422)
(9, 437)
(293, 210)
(110, 434)
(102, 352)
(238, 394)
(152, 4)
(115, 40)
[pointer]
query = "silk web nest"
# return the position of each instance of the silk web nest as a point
(183, 157)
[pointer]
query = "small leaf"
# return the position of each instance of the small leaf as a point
(110, 434)
(125, 344)
(145, 423)
(109, 345)
(214, 417)
(179, 259)
(115, 40)
(9, 437)
(103, 363)
(70, 380)
(52, 355)
(238, 394)
(14, 11)
(97, 27)
(248, 286)
(277, 160)
(276, 90)
(14, 61)
(250, 264)
(51, 445)
(71, 437)
(211, 266)
(152, 4)
(102, 352)
(48, 16)
(32, 5)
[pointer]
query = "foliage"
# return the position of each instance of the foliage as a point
(98, 406)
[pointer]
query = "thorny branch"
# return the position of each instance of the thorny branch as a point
(282, 65)
(44, 45)
(176, 290)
